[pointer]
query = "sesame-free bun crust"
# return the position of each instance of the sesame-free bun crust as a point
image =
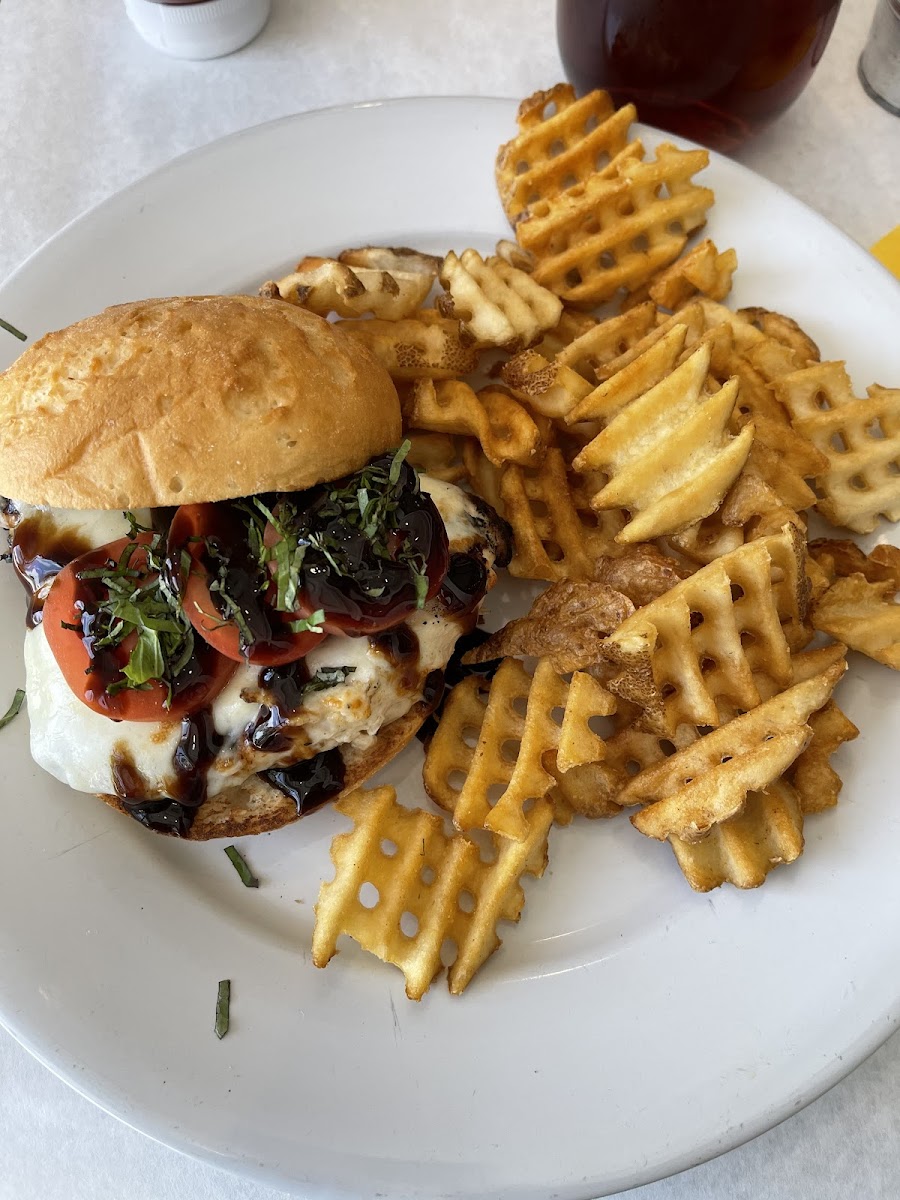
(190, 399)
(254, 806)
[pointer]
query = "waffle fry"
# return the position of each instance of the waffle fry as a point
(668, 453)
(607, 340)
(498, 895)
(635, 379)
(642, 573)
(601, 526)
(438, 454)
(554, 150)
(859, 438)
(780, 455)
(782, 329)
(631, 748)
(815, 780)
(817, 783)
(566, 625)
(707, 782)
(424, 347)
(862, 615)
(584, 790)
(497, 304)
(423, 883)
(743, 850)
(691, 316)
(517, 712)
(500, 424)
(702, 269)
(604, 234)
(571, 326)
(548, 387)
(751, 509)
(328, 285)
(551, 540)
(483, 476)
(840, 558)
(399, 260)
(513, 254)
(702, 641)
(772, 356)
(691, 810)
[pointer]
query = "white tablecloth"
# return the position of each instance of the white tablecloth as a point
(86, 107)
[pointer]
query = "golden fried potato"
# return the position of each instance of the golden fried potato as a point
(701, 269)
(560, 142)
(604, 341)
(502, 426)
(840, 558)
(553, 538)
(428, 888)
(816, 781)
(497, 304)
(437, 454)
(708, 781)
(704, 640)
(743, 849)
(859, 438)
(669, 454)
(862, 615)
(607, 233)
(549, 388)
(643, 573)
(751, 509)
(423, 347)
(369, 285)
(515, 735)
(566, 625)
(783, 329)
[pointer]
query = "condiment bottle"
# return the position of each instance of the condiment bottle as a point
(198, 28)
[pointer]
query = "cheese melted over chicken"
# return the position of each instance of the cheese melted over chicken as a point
(361, 684)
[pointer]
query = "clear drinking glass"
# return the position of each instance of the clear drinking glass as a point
(879, 63)
(716, 71)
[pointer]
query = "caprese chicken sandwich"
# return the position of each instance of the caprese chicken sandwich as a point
(241, 596)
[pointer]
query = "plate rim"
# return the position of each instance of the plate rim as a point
(878, 1032)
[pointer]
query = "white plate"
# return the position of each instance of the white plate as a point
(628, 1028)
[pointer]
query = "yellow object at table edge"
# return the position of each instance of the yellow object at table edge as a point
(887, 251)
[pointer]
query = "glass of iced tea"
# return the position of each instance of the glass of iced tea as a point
(716, 71)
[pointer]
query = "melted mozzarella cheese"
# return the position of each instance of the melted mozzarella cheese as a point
(459, 510)
(93, 527)
(78, 745)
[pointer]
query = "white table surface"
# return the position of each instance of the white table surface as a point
(86, 107)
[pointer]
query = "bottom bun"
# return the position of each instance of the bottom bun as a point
(254, 806)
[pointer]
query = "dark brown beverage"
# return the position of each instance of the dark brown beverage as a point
(712, 70)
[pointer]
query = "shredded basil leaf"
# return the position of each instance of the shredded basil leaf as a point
(12, 329)
(327, 677)
(311, 624)
(14, 709)
(248, 879)
(146, 660)
(223, 1008)
(368, 502)
(151, 610)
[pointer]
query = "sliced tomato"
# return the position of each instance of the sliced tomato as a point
(89, 674)
(274, 641)
(346, 598)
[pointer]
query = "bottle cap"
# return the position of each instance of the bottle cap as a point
(207, 29)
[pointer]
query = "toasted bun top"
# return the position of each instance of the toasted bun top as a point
(189, 399)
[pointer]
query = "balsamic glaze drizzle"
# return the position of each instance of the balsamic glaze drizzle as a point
(309, 783)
